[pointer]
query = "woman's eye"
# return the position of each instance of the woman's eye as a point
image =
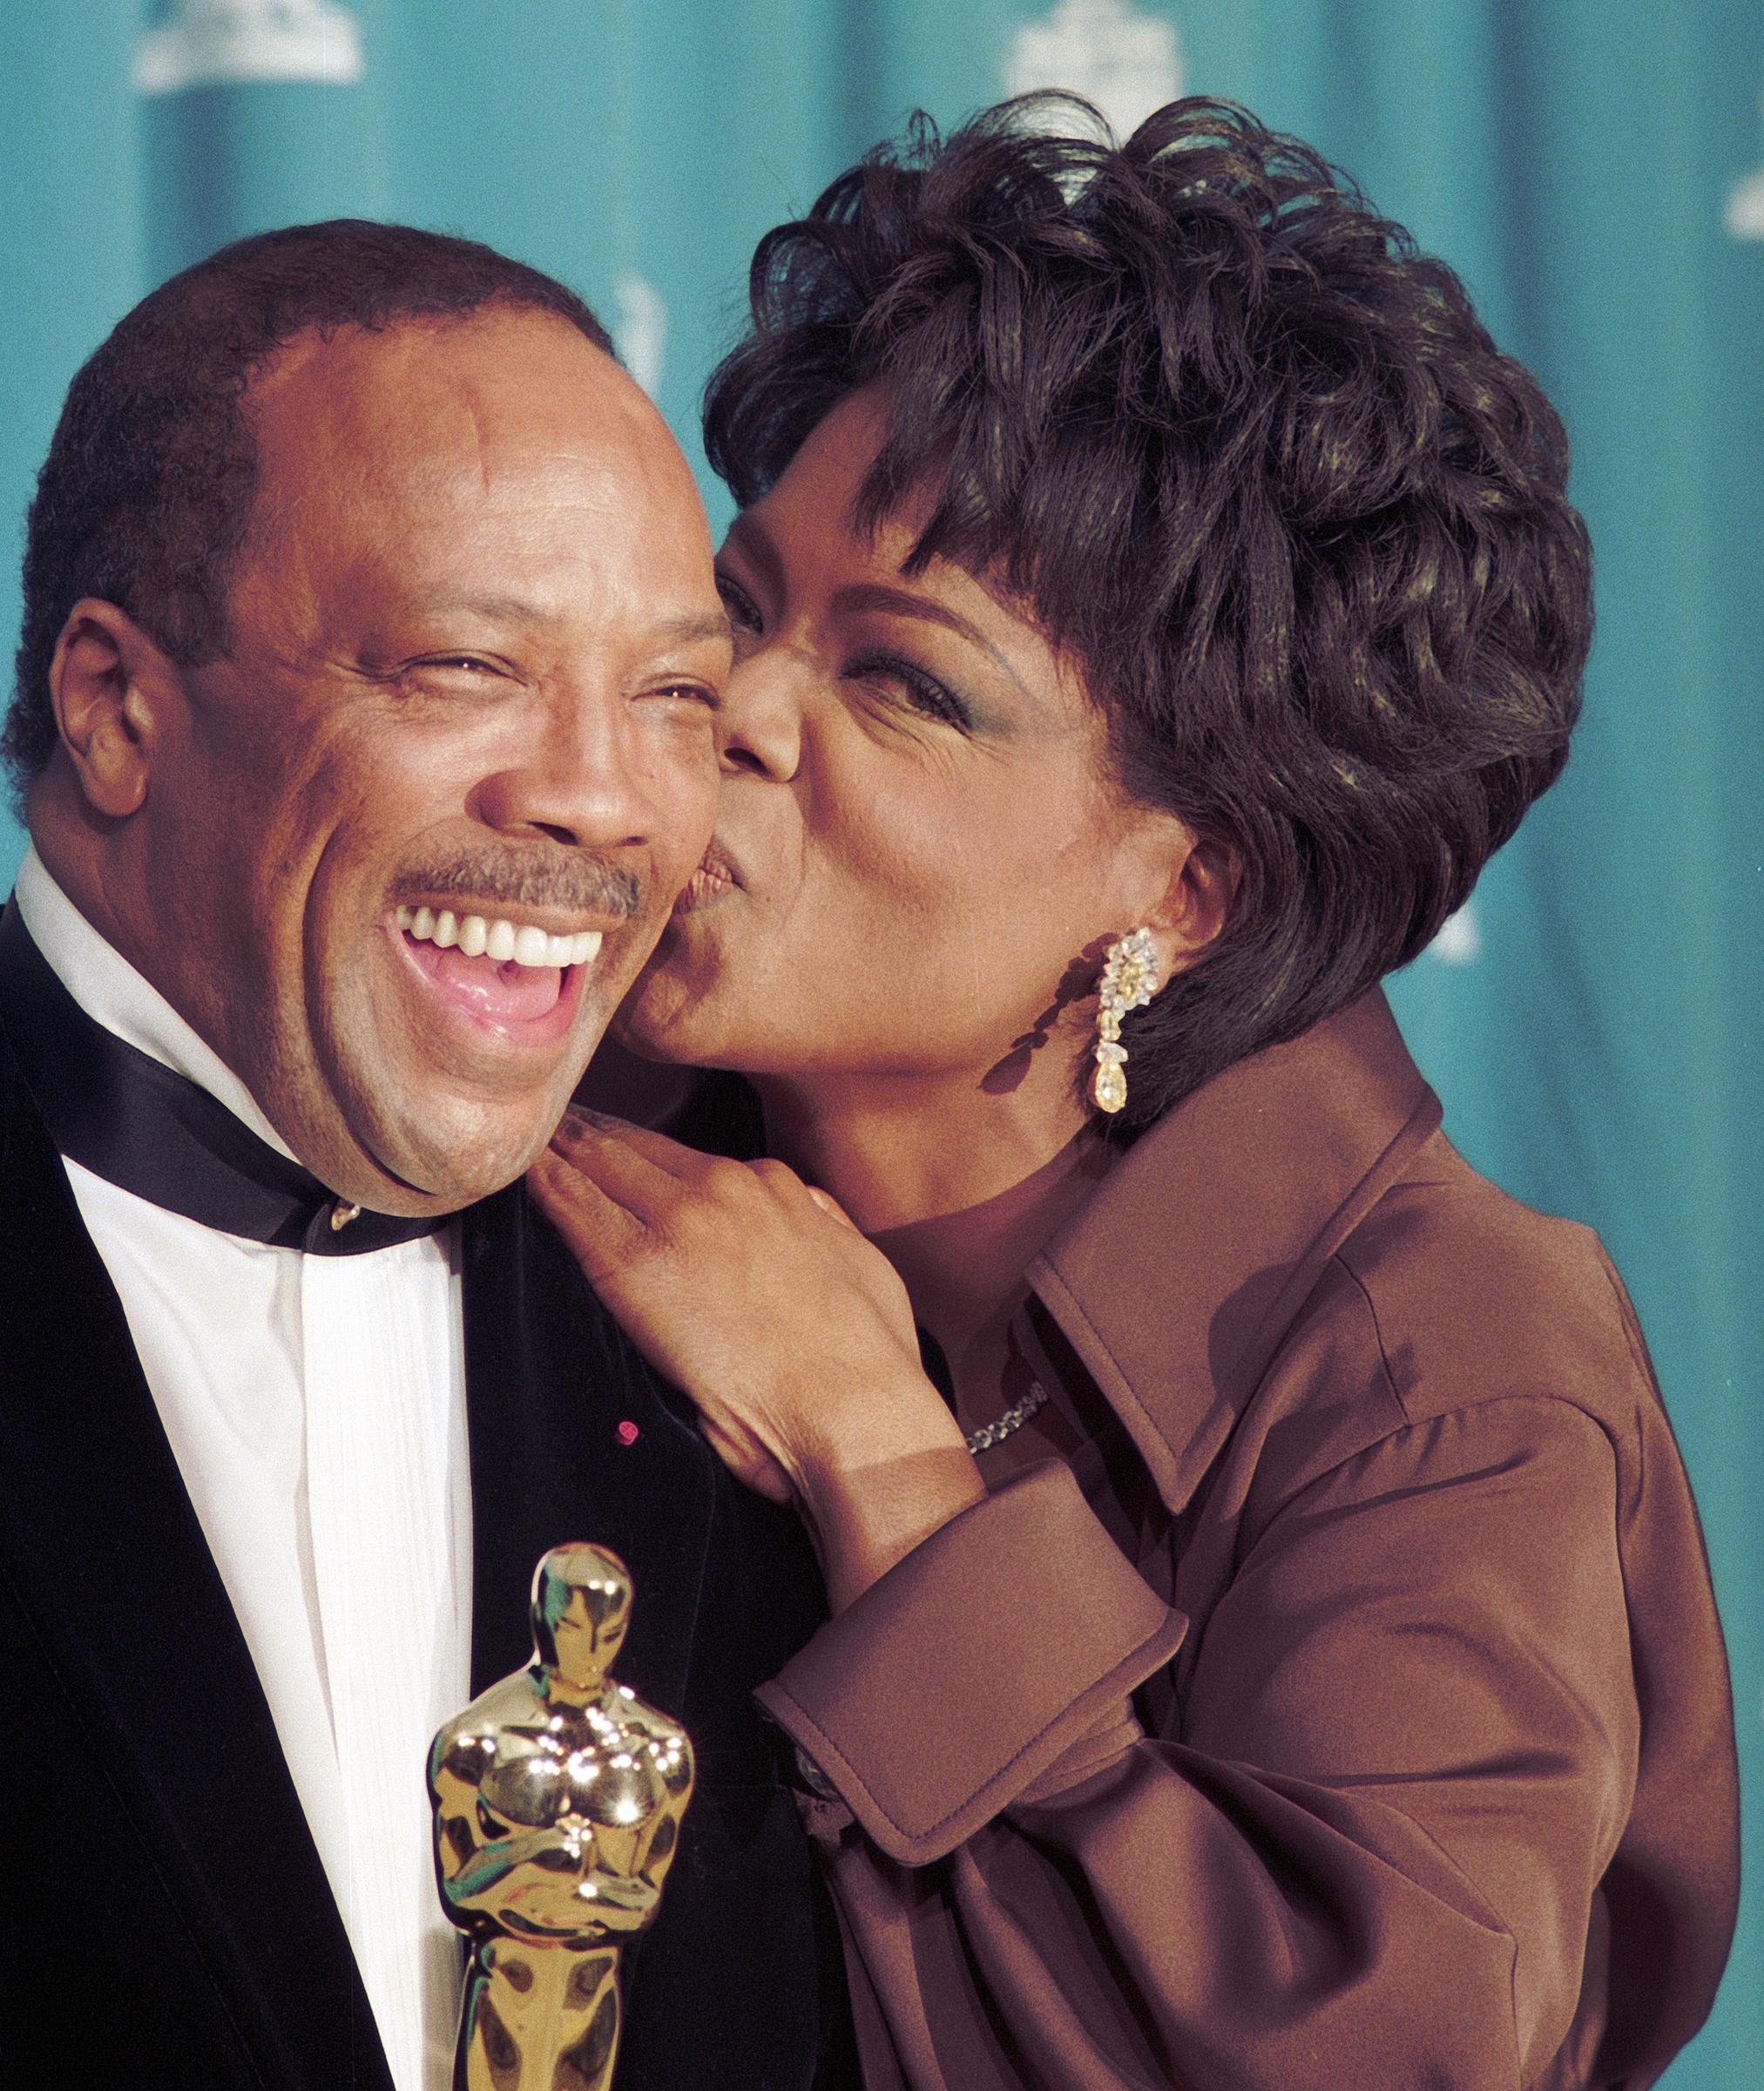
(924, 693)
(739, 605)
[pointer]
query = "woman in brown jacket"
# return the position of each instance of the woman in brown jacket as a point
(1270, 1642)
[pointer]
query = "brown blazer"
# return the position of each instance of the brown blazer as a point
(1351, 1711)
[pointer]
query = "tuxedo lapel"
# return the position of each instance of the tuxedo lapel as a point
(104, 1551)
(572, 1437)
(740, 1979)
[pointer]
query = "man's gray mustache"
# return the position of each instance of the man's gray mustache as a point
(578, 882)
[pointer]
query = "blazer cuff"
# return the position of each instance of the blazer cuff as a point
(944, 1692)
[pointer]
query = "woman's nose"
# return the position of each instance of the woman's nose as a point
(759, 726)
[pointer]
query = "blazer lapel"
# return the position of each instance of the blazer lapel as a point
(1175, 1299)
(114, 1570)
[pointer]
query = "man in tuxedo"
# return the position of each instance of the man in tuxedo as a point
(364, 733)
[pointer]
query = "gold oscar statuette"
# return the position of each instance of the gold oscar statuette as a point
(558, 1798)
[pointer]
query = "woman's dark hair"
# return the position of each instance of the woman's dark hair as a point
(146, 493)
(1253, 461)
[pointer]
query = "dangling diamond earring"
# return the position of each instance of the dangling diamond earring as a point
(1131, 978)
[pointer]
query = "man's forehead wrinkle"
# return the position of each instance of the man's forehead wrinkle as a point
(467, 393)
(371, 405)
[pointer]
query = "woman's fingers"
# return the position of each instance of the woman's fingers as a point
(602, 1232)
(832, 1207)
(594, 1130)
(612, 1148)
(658, 1180)
(621, 1168)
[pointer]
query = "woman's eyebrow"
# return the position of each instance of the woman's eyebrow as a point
(900, 602)
(751, 538)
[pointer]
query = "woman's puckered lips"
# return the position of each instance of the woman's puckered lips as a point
(716, 876)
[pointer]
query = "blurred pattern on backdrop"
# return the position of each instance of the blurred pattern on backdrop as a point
(1594, 168)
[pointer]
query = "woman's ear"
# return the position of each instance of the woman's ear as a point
(1197, 901)
(109, 683)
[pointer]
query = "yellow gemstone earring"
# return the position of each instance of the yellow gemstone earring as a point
(1131, 978)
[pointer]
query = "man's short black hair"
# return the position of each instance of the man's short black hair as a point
(1254, 461)
(146, 493)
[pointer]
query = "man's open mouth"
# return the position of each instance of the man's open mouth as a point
(501, 971)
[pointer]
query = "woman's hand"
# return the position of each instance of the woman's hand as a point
(758, 1297)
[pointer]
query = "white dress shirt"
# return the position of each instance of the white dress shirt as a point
(316, 1409)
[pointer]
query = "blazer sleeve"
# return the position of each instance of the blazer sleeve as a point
(1366, 1849)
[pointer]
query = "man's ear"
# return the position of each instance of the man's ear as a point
(109, 684)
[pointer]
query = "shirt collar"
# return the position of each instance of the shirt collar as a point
(112, 993)
(1177, 1281)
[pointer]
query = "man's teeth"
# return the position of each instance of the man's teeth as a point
(526, 943)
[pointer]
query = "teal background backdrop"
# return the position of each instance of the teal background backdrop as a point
(1595, 168)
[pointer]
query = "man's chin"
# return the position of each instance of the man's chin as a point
(419, 1132)
(418, 1165)
(438, 1177)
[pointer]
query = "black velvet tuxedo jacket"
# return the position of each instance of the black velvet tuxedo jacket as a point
(165, 1918)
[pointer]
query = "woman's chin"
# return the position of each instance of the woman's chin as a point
(664, 1019)
(646, 1042)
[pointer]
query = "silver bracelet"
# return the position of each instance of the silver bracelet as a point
(989, 1434)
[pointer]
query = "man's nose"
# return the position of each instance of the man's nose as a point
(759, 725)
(577, 775)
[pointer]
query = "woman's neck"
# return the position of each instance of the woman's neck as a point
(960, 1192)
(897, 1148)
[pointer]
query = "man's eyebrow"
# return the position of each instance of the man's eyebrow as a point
(496, 609)
(686, 629)
(900, 602)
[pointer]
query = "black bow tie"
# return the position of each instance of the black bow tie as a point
(120, 1113)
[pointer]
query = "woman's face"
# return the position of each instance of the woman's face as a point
(920, 855)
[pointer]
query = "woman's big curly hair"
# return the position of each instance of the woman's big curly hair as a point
(1255, 463)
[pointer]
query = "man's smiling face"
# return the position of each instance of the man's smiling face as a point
(474, 648)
